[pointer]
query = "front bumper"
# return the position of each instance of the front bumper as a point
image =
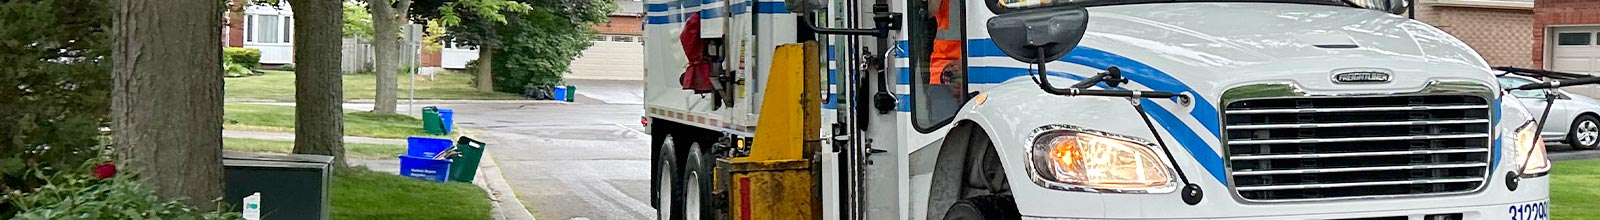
(1526, 210)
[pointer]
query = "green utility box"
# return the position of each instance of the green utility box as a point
(292, 186)
(464, 168)
(431, 123)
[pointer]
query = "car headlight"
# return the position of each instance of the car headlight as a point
(1530, 153)
(1070, 158)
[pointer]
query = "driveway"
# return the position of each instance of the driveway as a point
(583, 160)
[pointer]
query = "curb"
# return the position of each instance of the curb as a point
(503, 201)
(1579, 155)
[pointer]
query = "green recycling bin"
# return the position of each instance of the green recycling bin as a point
(431, 123)
(464, 168)
(571, 89)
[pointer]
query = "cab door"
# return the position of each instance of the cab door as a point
(936, 37)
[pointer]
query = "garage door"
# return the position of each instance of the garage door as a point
(1575, 50)
(612, 57)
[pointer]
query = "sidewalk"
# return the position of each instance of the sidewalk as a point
(288, 136)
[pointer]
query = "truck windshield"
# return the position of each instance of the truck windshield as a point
(1020, 4)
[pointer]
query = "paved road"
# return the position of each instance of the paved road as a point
(584, 160)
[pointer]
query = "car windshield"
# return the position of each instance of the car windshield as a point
(1509, 82)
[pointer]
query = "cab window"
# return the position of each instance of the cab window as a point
(1509, 82)
(938, 53)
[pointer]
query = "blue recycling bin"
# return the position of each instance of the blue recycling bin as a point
(426, 147)
(560, 93)
(448, 117)
(418, 161)
(424, 168)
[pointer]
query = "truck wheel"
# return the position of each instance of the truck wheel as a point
(669, 185)
(990, 207)
(697, 181)
(1585, 133)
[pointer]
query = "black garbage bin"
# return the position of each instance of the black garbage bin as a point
(292, 186)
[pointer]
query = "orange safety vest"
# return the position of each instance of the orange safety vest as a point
(944, 51)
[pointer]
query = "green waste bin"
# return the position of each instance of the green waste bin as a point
(571, 89)
(464, 168)
(431, 123)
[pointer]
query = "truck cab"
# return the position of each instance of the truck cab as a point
(944, 109)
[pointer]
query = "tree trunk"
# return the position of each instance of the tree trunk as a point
(319, 88)
(485, 68)
(166, 100)
(387, 43)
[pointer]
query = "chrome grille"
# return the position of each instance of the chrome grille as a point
(1312, 148)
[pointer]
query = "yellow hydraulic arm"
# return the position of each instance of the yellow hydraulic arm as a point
(778, 180)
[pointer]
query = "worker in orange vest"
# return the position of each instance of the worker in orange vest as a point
(947, 44)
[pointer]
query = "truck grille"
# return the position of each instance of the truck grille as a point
(1313, 148)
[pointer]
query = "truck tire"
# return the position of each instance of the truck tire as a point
(669, 184)
(1585, 133)
(697, 180)
(990, 207)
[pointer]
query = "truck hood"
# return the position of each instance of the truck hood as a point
(1212, 46)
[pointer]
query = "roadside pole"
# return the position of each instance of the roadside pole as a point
(413, 45)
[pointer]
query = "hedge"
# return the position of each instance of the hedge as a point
(249, 57)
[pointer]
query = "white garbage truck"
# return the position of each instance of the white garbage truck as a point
(1078, 109)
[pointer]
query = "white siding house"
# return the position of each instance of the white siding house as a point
(270, 29)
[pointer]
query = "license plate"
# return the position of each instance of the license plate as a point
(1530, 211)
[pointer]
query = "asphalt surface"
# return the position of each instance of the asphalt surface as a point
(584, 160)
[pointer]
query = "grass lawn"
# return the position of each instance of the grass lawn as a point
(365, 151)
(363, 194)
(1573, 191)
(260, 117)
(279, 85)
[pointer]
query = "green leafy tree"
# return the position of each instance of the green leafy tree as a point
(546, 44)
(55, 85)
(357, 22)
(535, 39)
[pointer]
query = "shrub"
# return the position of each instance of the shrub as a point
(234, 69)
(249, 57)
(76, 194)
(55, 86)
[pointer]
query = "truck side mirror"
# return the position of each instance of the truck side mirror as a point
(803, 6)
(1039, 36)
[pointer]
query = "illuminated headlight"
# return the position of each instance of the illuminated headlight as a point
(1070, 158)
(1530, 153)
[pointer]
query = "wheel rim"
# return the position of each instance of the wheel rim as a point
(1588, 133)
(691, 200)
(664, 189)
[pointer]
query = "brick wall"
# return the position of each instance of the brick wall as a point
(430, 58)
(1492, 32)
(620, 25)
(236, 24)
(1559, 12)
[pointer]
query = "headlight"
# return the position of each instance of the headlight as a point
(1530, 153)
(1067, 157)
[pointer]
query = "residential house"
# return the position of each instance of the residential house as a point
(1495, 28)
(1565, 38)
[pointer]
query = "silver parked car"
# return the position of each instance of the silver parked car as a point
(1572, 118)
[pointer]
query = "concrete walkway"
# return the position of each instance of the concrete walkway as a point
(287, 136)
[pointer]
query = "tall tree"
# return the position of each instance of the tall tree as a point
(166, 99)
(319, 89)
(387, 18)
